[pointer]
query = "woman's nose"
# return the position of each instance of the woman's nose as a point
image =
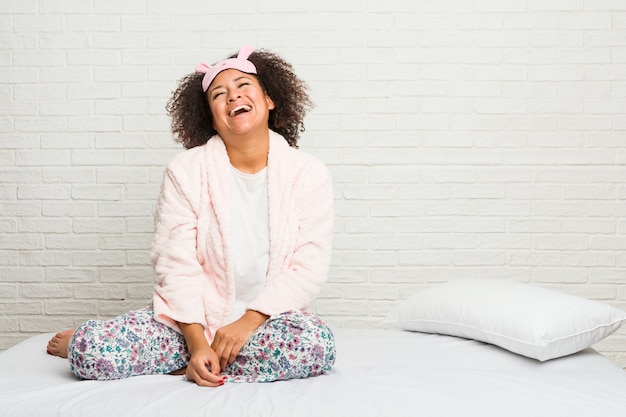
(232, 96)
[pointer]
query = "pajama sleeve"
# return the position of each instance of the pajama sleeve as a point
(180, 283)
(301, 280)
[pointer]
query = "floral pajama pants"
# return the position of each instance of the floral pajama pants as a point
(289, 345)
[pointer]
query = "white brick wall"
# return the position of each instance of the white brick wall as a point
(466, 138)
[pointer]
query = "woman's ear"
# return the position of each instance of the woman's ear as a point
(270, 102)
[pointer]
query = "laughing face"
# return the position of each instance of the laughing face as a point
(238, 104)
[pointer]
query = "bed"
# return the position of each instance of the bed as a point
(451, 350)
(378, 373)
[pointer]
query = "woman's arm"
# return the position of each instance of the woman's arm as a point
(204, 366)
(180, 277)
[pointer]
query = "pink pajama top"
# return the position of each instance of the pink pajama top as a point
(191, 248)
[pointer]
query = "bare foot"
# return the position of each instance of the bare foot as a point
(57, 346)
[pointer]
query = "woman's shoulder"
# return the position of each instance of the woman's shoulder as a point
(300, 159)
(188, 159)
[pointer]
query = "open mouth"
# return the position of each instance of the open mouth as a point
(241, 109)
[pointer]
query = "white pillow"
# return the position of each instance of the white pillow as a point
(532, 321)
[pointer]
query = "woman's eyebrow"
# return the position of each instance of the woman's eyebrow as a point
(215, 88)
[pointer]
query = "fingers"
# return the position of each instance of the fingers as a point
(231, 338)
(228, 342)
(213, 365)
(233, 354)
(223, 351)
(201, 375)
(210, 380)
(226, 350)
(228, 355)
(204, 368)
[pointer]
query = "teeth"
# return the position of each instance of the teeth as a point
(239, 109)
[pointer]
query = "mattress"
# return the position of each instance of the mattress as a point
(378, 373)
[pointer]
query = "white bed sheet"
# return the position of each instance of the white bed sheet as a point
(378, 373)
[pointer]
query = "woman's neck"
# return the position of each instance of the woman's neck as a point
(248, 155)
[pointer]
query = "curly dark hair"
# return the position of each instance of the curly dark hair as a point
(192, 122)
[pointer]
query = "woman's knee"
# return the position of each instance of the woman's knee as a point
(314, 336)
(88, 353)
(77, 354)
(129, 345)
(289, 345)
(321, 344)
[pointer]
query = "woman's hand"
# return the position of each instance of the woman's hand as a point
(204, 366)
(230, 339)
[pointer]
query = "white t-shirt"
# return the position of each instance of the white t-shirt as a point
(250, 236)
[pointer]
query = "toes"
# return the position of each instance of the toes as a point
(57, 346)
(52, 347)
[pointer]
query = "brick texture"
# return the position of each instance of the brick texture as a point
(466, 138)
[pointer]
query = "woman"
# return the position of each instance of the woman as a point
(242, 241)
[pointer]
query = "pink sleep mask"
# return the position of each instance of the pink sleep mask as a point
(239, 63)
